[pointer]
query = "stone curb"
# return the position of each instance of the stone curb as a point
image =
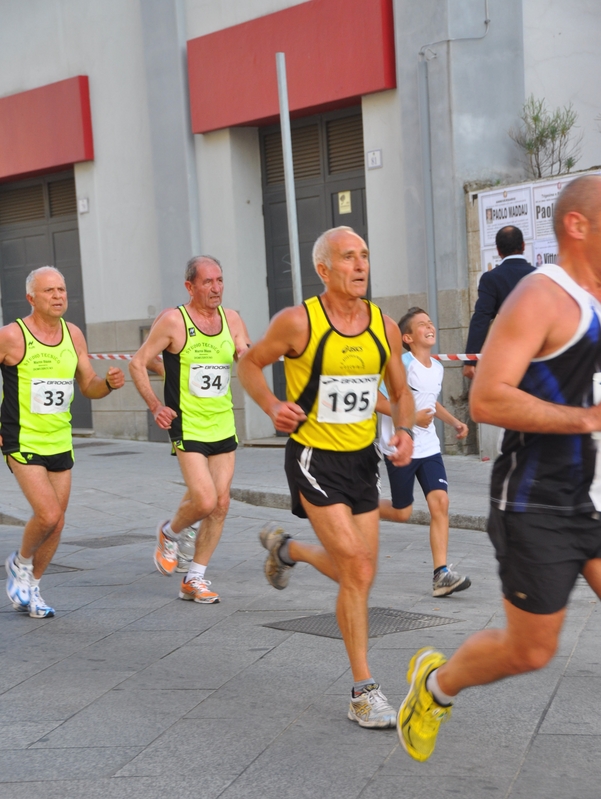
(274, 499)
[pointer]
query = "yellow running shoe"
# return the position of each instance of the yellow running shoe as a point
(420, 715)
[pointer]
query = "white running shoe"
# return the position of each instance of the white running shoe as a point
(38, 609)
(18, 582)
(372, 709)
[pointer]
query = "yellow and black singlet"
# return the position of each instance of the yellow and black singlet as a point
(198, 384)
(37, 395)
(335, 381)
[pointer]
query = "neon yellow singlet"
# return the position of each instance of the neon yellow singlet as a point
(37, 396)
(335, 380)
(198, 384)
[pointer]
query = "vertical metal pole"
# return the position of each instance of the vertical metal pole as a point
(297, 285)
(424, 102)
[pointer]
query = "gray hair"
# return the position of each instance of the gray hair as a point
(322, 250)
(194, 263)
(31, 277)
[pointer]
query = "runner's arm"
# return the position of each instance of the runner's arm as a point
(402, 407)
(239, 332)
(448, 418)
(526, 327)
(159, 339)
(90, 384)
(286, 334)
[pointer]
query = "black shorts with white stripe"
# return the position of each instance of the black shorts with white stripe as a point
(325, 477)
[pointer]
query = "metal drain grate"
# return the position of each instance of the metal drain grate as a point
(110, 541)
(382, 621)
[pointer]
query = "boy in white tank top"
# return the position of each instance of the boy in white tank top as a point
(424, 376)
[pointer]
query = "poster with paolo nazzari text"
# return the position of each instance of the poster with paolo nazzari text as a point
(508, 206)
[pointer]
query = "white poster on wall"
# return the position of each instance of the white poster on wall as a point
(509, 206)
(545, 252)
(490, 259)
(544, 196)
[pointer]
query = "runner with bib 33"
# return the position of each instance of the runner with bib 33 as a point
(40, 356)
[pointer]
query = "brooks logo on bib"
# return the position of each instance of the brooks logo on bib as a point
(209, 379)
(344, 400)
(51, 396)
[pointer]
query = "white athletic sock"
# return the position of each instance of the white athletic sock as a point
(24, 561)
(169, 532)
(439, 695)
(195, 570)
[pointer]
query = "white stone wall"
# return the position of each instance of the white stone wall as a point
(58, 39)
(562, 61)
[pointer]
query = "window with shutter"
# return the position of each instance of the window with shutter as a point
(345, 144)
(24, 204)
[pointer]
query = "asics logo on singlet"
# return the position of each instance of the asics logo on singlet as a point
(352, 349)
(191, 331)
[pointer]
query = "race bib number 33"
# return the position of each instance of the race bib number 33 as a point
(209, 379)
(51, 396)
(345, 399)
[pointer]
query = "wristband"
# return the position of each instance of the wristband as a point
(407, 430)
(108, 385)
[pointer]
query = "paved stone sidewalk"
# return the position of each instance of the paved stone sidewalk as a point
(130, 692)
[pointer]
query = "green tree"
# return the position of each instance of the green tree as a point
(548, 141)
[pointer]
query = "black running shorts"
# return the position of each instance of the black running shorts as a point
(325, 477)
(206, 448)
(540, 555)
(61, 462)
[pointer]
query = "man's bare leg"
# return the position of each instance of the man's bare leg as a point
(207, 498)
(390, 514)
(48, 494)
(349, 556)
(527, 643)
(221, 468)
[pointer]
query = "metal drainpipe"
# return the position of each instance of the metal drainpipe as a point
(425, 55)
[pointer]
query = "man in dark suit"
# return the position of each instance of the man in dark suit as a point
(494, 287)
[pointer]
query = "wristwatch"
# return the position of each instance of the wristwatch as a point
(408, 430)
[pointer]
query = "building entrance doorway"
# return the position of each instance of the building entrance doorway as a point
(329, 177)
(38, 227)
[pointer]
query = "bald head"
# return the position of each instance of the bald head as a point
(583, 196)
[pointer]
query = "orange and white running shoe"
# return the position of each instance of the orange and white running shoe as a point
(165, 554)
(197, 590)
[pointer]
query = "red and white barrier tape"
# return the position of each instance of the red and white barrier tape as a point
(111, 356)
(462, 357)
(119, 356)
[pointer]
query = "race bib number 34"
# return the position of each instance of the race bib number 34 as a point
(209, 379)
(345, 399)
(51, 396)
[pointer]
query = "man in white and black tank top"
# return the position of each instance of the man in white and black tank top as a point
(537, 380)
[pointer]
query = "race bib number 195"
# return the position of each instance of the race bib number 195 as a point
(345, 399)
(51, 396)
(209, 379)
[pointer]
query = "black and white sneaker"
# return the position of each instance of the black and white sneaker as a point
(448, 582)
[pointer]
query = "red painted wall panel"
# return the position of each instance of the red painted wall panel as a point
(46, 128)
(336, 50)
